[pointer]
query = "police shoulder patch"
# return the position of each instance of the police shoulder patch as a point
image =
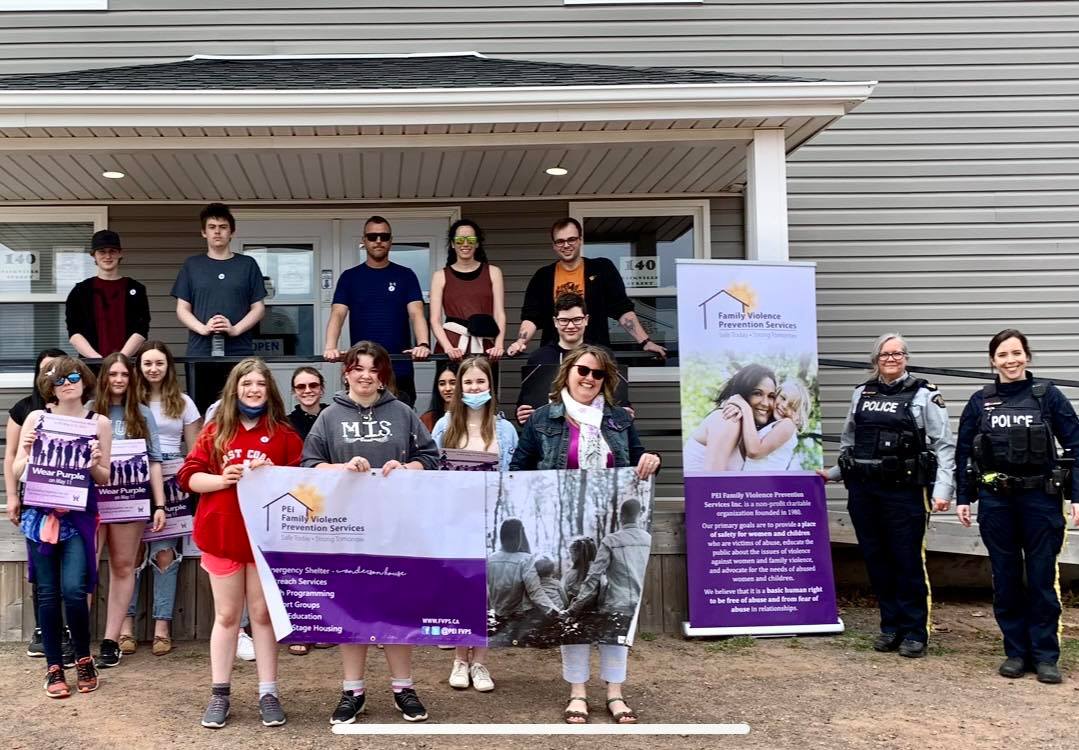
(938, 400)
(929, 386)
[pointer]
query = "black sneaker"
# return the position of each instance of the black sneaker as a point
(110, 654)
(1049, 673)
(36, 647)
(408, 703)
(1013, 668)
(887, 642)
(68, 649)
(912, 649)
(348, 708)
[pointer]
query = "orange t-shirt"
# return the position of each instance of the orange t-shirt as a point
(569, 281)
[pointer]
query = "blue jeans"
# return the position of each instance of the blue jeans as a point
(62, 576)
(164, 580)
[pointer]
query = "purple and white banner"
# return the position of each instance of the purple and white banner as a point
(127, 496)
(361, 558)
(58, 473)
(467, 558)
(757, 546)
(179, 513)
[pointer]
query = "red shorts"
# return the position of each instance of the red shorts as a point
(220, 567)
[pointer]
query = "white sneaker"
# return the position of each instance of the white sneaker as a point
(245, 647)
(459, 675)
(481, 678)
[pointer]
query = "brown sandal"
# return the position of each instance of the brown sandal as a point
(629, 716)
(570, 714)
(299, 649)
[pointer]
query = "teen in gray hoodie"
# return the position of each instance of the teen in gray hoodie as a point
(367, 427)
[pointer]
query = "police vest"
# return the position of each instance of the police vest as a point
(884, 423)
(1014, 435)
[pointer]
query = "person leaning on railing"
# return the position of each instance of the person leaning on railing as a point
(1007, 438)
(896, 446)
(582, 429)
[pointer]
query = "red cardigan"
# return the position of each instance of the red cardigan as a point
(219, 525)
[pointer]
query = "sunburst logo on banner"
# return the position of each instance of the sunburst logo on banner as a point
(313, 500)
(743, 293)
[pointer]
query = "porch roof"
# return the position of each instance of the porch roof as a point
(406, 127)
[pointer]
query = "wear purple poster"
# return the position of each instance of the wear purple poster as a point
(179, 511)
(58, 474)
(360, 558)
(127, 495)
(763, 559)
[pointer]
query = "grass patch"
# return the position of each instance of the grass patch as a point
(854, 640)
(1069, 653)
(733, 645)
(646, 636)
(796, 643)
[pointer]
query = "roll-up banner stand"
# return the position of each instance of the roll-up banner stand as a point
(757, 547)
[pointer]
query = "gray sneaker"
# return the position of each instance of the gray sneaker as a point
(217, 713)
(271, 712)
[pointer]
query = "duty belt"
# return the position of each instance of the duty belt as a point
(1004, 483)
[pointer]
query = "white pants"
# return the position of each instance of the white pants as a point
(612, 662)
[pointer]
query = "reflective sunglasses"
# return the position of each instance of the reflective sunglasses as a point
(469, 240)
(584, 371)
(378, 236)
(72, 378)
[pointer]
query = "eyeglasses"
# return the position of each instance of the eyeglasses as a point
(897, 356)
(584, 371)
(378, 236)
(569, 321)
(469, 240)
(306, 386)
(567, 241)
(72, 378)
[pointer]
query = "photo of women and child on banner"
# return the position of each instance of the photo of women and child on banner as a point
(537, 558)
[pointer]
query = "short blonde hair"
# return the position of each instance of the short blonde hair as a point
(797, 397)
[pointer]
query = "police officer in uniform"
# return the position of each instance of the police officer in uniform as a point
(1006, 459)
(896, 447)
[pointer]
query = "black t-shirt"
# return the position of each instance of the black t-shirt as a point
(22, 408)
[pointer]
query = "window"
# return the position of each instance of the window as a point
(289, 272)
(43, 254)
(643, 239)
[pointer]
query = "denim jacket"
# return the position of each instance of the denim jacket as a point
(544, 440)
(504, 434)
(622, 557)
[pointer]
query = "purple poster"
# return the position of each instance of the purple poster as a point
(58, 474)
(763, 560)
(179, 510)
(127, 495)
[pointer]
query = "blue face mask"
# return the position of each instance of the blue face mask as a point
(251, 412)
(476, 400)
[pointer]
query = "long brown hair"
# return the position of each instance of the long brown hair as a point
(606, 363)
(136, 425)
(172, 402)
(227, 416)
(457, 432)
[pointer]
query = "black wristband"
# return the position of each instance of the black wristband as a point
(424, 344)
(645, 343)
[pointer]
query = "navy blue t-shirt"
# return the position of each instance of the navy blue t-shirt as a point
(377, 301)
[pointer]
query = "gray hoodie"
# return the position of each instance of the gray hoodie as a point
(388, 430)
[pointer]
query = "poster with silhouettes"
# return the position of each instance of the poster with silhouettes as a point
(127, 495)
(179, 506)
(58, 473)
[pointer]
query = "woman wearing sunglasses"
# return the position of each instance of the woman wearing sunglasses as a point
(61, 548)
(130, 421)
(469, 290)
(582, 429)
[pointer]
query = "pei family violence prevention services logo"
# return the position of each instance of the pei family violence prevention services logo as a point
(301, 511)
(736, 307)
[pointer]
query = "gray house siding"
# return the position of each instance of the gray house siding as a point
(944, 207)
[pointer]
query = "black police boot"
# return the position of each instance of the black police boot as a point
(1049, 673)
(1013, 667)
(912, 649)
(887, 642)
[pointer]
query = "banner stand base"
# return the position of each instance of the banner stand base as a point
(764, 631)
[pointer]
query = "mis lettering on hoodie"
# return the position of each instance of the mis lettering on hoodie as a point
(369, 430)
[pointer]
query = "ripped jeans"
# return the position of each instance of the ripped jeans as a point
(164, 580)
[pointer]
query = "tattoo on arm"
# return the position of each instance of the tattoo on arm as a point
(631, 326)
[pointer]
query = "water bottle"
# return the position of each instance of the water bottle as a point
(217, 345)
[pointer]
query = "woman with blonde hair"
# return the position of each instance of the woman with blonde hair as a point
(131, 420)
(249, 430)
(473, 423)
